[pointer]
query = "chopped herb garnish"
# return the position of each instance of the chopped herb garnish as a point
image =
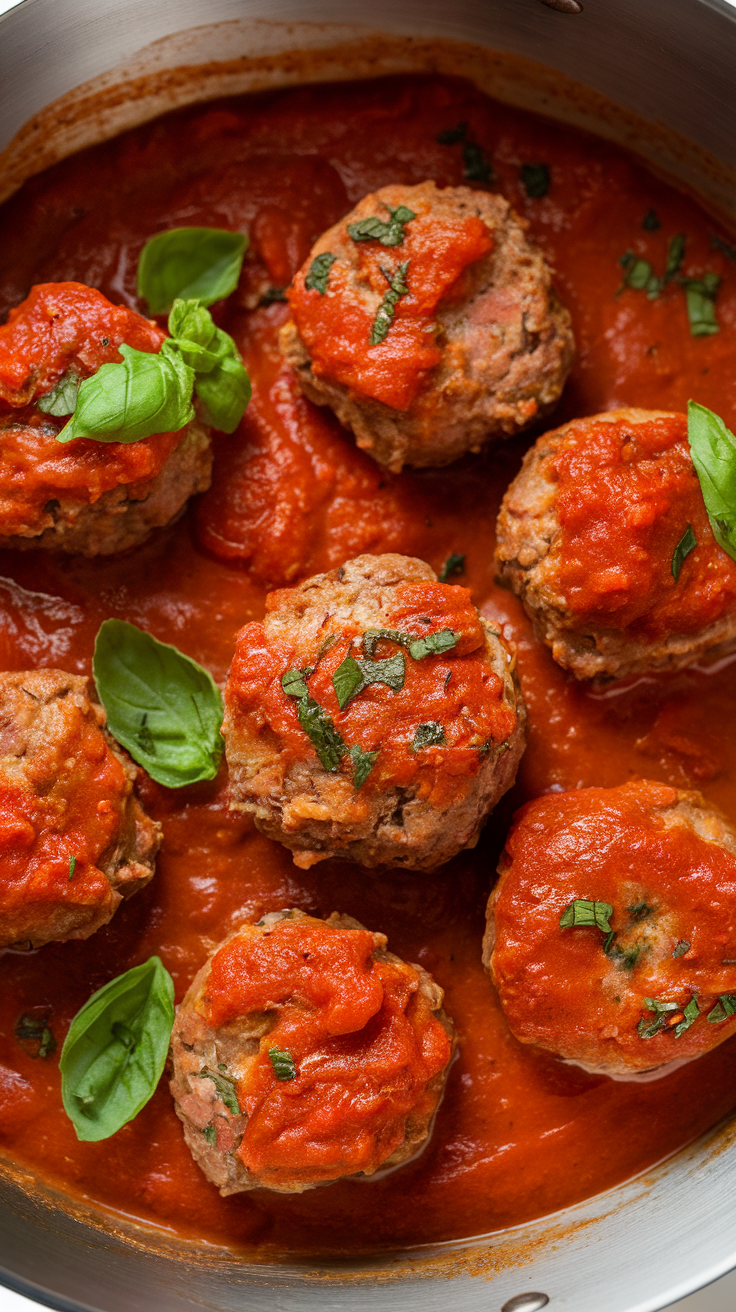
(690, 1015)
(682, 947)
(352, 676)
(725, 1007)
(72, 866)
(273, 296)
(284, 1066)
(675, 254)
(363, 763)
(455, 564)
(319, 272)
(535, 180)
(62, 399)
(648, 1028)
(451, 136)
(476, 167)
(713, 449)
(688, 542)
(389, 233)
(225, 1089)
(397, 288)
(625, 958)
(322, 733)
(640, 911)
(210, 1134)
(372, 637)
(650, 222)
(719, 244)
(35, 1030)
(329, 641)
(638, 275)
(700, 297)
(433, 645)
(584, 912)
(294, 683)
(428, 735)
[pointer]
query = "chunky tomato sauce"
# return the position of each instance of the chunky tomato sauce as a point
(58, 328)
(363, 1039)
(518, 1134)
(666, 886)
(458, 690)
(626, 495)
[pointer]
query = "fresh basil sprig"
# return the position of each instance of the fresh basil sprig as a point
(713, 449)
(162, 706)
(151, 392)
(115, 1051)
(189, 263)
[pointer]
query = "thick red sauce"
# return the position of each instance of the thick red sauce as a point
(518, 1134)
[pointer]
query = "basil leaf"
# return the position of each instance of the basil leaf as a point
(224, 394)
(638, 275)
(387, 309)
(682, 947)
(451, 136)
(352, 676)
(319, 272)
(648, 1028)
(210, 1134)
(725, 1007)
(455, 564)
(428, 735)
(62, 399)
(322, 733)
(37, 1032)
(294, 683)
(653, 1004)
(284, 1066)
(147, 393)
(688, 542)
(273, 296)
(115, 1051)
(713, 449)
(675, 254)
(433, 645)
(690, 1015)
(225, 1089)
(347, 681)
(372, 637)
(640, 911)
(363, 763)
(72, 866)
(584, 912)
(719, 244)
(700, 297)
(535, 180)
(650, 222)
(190, 262)
(389, 233)
(161, 705)
(625, 958)
(476, 168)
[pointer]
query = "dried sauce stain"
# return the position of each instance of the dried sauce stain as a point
(292, 496)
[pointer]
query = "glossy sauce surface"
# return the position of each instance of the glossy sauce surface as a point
(518, 1134)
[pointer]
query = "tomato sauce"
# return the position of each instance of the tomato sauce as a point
(626, 495)
(518, 1134)
(363, 1039)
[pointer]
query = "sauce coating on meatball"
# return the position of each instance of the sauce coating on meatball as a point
(73, 839)
(612, 931)
(336, 325)
(334, 1050)
(626, 494)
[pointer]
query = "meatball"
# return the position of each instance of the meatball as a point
(605, 537)
(304, 1052)
(429, 323)
(74, 840)
(611, 933)
(372, 715)
(90, 497)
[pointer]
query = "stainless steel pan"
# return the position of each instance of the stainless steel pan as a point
(668, 64)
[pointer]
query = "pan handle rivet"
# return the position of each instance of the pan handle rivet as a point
(564, 6)
(526, 1303)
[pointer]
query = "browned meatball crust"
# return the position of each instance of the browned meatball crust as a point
(587, 537)
(304, 1052)
(74, 839)
(404, 772)
(491, 343)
